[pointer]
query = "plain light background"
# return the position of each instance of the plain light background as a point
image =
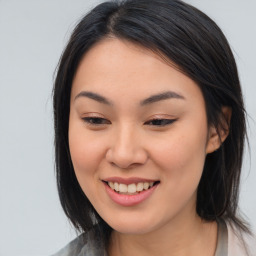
(32, 37)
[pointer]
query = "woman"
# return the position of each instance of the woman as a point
(149, 133)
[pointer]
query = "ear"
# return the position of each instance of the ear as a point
(217, 135)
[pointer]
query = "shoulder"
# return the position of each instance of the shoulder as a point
(87, 244)
(240, 242)
(74, 247)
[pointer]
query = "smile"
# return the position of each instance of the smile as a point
(130, 188)
(129, 192)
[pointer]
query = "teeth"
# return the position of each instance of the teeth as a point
(145, 185)
(111, 184)
(131, 188)
(140, 186)
(123, 188)
(116, 186)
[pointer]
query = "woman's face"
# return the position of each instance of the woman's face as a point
(136, 121)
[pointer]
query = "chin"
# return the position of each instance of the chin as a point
(132, 230)
(132, 226)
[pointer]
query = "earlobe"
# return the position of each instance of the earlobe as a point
(217, 135)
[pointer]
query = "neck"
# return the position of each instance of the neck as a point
(193, 237)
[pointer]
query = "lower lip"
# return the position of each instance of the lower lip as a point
(129, 200)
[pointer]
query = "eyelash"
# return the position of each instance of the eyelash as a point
(95, 121)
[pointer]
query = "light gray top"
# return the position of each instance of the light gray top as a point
(222, 240)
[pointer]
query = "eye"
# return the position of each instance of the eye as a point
(160, 122)
(95, 121)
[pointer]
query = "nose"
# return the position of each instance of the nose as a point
(126, 149)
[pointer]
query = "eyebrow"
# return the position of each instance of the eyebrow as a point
(94, 96)
(152, 99)
(161, 96)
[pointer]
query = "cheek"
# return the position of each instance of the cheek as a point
(181, 161)
(83, 153)
(181, 151)
(182, 158)
(86, 153)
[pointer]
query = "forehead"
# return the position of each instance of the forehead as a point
(117, 67)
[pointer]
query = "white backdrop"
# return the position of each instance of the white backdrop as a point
(32, 37)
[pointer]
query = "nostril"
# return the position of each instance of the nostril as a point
(126, 157)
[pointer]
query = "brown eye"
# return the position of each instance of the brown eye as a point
(160, 122)
(95, 120)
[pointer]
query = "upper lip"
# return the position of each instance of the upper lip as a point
(127, 181)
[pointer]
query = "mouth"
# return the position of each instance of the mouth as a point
(131, 191)
(132, 188)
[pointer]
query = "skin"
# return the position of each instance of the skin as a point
(126, 143)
